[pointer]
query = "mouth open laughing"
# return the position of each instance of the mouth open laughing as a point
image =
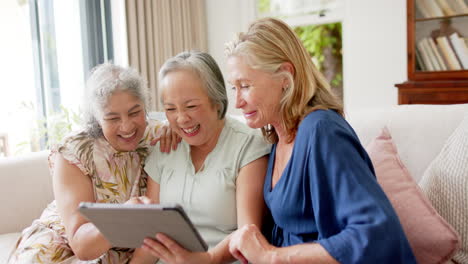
(191, 131)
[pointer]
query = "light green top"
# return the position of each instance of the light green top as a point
(208, 196)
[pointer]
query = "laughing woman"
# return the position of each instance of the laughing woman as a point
(325, 202)
(103, 163)
(217, 172)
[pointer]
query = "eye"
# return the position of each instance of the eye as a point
(191, 106)
(135, 113)
(112, 119)
(233, 88)
(169, 109)
(244, 86)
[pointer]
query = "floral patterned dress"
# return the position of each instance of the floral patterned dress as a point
(116, 177)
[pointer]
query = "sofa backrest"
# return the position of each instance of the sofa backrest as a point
(26, 189)
(419, 131)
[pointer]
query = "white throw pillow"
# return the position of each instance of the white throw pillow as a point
(445, 183)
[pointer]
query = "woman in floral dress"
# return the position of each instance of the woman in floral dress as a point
(102, 163)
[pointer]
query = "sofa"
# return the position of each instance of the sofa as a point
(26, 189)
(418, 131)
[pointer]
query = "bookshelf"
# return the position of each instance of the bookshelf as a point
(437, 39)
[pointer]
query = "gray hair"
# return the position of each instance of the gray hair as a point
(206, 68)
(105, 80)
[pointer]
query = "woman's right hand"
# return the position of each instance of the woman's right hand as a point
(247, 244)
(169, 251)
(168, 139)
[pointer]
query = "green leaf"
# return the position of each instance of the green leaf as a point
(316, 38)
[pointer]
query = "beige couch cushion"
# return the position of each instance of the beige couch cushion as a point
(26, 190)
(446, 184)
(7, 241)
(418, 131)
(432, 239)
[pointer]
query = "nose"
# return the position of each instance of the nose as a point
(182, 117)
(240, 102)
(127, 125)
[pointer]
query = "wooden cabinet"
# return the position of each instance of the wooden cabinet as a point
(437, 42)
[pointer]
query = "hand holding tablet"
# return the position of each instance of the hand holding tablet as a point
(127, 225)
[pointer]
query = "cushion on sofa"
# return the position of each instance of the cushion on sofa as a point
(418, 131)
(27, 185)
(7, 241)
(432, 239)
(445, 183)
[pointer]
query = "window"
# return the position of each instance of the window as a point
(48, 49)
(318, 25)
(19, 96)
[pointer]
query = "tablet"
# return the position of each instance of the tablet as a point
(126, 225)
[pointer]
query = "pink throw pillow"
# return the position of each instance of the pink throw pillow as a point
(432, 239)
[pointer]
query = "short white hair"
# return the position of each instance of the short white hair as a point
(105, 80)
(206, 68)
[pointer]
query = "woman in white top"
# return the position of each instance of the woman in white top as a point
(217, 172)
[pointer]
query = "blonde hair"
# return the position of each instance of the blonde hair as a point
(268, 44)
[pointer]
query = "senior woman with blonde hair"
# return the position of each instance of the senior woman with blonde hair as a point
(320, 188)
(217, 172)
(101, 163)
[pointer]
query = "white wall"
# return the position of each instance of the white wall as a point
(374, 52)
(374, 45)
(224, 19)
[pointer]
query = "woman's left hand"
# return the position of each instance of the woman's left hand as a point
(169, 251)
(247, 244)
(139, 200)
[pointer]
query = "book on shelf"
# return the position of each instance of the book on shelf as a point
(446, 8)
(461, 49)
(419, 61)
(448, 54)
(439, 49)
(458, 6)
(435, 63)
(453, 49)
(422, 8)
(462, 5)
(434, 8)
(440, 8)
(425, 56)
(435, 50)
(430, 8)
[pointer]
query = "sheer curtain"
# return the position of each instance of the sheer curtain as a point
(158, 30)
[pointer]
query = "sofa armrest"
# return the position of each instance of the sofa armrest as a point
(25, 190)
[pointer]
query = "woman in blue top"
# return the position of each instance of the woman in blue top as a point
(320, 188)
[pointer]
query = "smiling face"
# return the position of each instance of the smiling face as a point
(189, 110)
(258, 93)
(123, 121)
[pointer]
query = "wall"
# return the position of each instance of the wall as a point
(374, 45)
(374, 48)
(224, 19)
